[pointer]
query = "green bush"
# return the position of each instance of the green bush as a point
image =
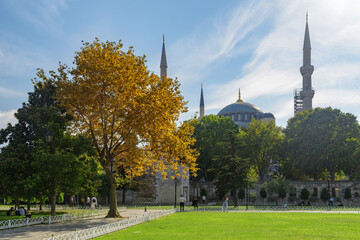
(347, 195)
(324, 195)
(304, 194)
(262, 193)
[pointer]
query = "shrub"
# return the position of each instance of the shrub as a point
(262, 193)
(324, 195)
(304, 194)
(347, 195)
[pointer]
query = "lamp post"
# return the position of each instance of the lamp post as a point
(246, 193)
(49, 139)
(328, 178)
(175, 181)
(29, 169)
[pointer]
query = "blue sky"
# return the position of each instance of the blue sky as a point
(227, 45)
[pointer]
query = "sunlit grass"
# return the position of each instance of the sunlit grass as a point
(245, 225)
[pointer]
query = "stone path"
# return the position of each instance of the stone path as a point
(38, 232)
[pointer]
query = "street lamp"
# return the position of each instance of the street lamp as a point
(29, 169)
(246, 193)
(175, 181)
(49, 137)
(328, 178)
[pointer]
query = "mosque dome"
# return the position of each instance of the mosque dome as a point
(239, 107)
(242, 113)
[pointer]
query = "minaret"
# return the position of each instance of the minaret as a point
(306, 70)
(202, 105)
(163, 63)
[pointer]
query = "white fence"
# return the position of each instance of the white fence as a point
(13, 223)
(111, 227)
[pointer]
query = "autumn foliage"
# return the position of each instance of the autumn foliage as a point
(129, 112)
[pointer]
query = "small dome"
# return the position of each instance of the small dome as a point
(267, 115)
(239, 107)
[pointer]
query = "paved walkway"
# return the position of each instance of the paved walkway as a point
(38, 232)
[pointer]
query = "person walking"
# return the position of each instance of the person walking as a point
(225, 204)
(182, 201)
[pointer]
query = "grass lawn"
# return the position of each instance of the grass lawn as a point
(245, 225)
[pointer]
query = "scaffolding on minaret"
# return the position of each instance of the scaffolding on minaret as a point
(298, 102)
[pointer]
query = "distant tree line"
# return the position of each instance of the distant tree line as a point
(315, 144)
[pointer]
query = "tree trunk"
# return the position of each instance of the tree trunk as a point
(123, 197)
(16, 202)
(41, 202)
(53, 203)
(233, 193)
(113, 201)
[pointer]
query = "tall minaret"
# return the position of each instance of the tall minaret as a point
(306, 70)
(202, 105)
(163, 63)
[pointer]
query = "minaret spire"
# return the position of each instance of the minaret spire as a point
(239, 100)
(202, 105)
(306, 70)
(163, 63)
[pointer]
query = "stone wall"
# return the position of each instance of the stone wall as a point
(337, 189)
(162, 192)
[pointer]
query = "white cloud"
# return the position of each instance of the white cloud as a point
(194, 54)
(273, 70)
(7, 117)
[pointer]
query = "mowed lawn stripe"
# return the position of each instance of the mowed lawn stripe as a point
(245, 225)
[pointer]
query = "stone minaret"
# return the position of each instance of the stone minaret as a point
(202, 105)
(307, 93)
(163, 63)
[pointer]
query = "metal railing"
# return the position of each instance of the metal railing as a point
(111, 227)
(13, 223)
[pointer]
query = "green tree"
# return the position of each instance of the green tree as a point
(263, 144)
(304, 194)
(54, 168)
(232, 169)
(209, 134)
(323, 140)
(278, 185)
(61, 168)
(14, 166)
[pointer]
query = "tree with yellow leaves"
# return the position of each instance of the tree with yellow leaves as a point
(129, 113)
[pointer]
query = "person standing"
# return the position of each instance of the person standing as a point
(195, 203)
(203, 199)
(182, 201)
(88, 201)
(225, 204)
